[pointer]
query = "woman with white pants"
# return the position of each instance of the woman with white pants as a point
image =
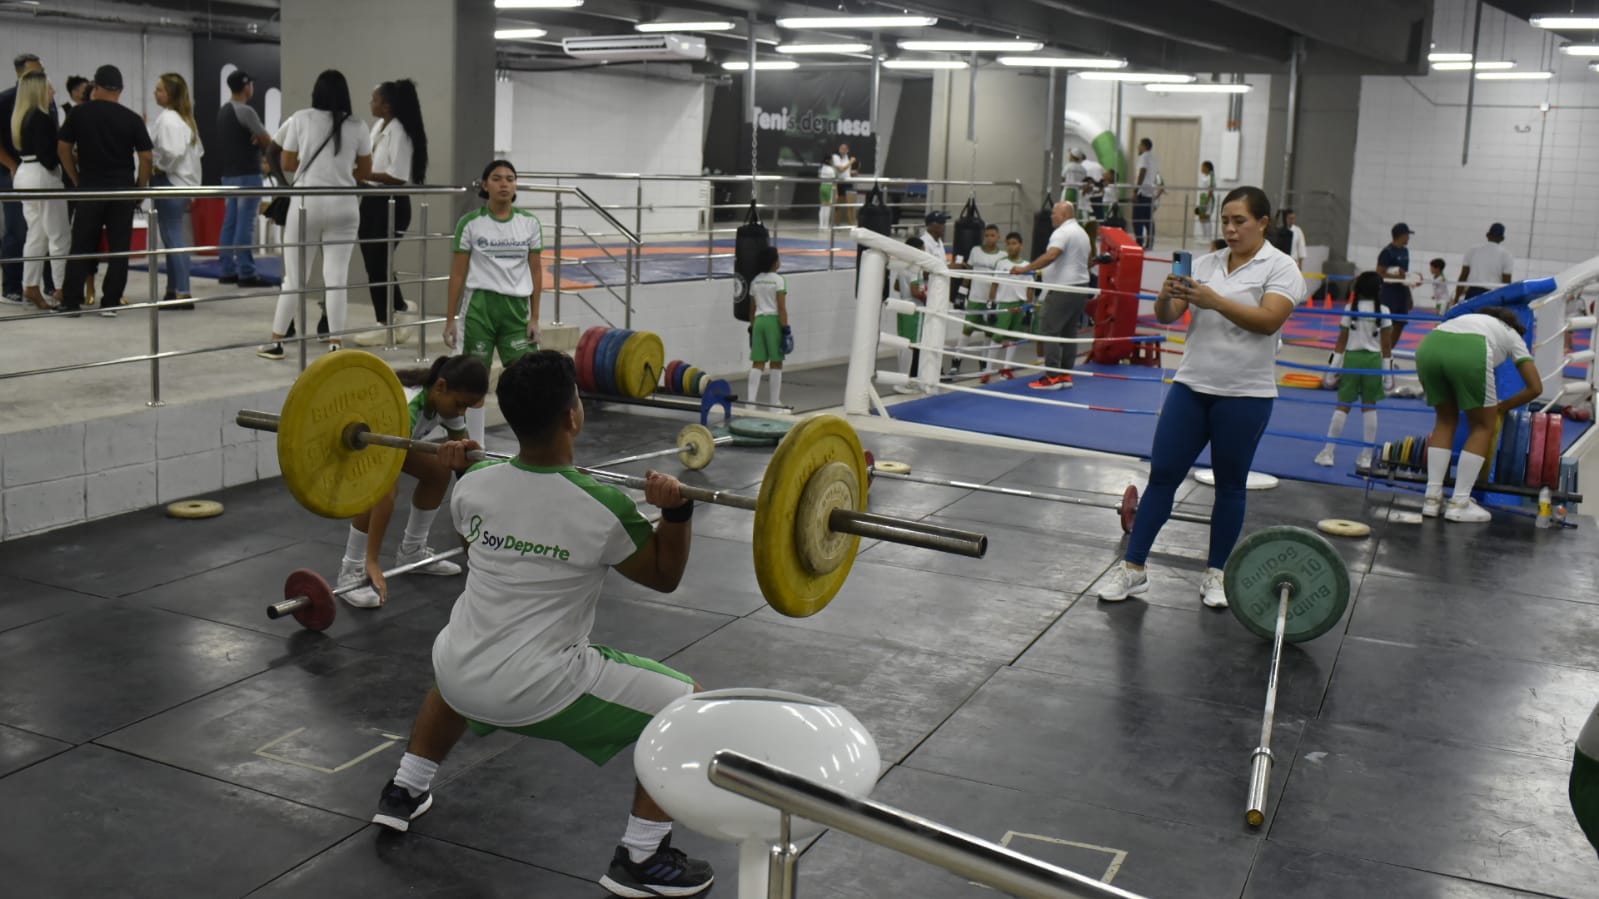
(34, 133)
(324, 146)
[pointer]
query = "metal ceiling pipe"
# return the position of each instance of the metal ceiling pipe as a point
(1297, 49)
(177, 22)
(1471, 85)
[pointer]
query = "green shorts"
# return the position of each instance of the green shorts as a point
(766, 339)
(1009, 318)
(1454, 368)
(825, 189)
(910, 326)
(977, 314)
(495, 321)
(610, 717)
(1365, 388)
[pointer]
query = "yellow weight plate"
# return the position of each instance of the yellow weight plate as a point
(822, 549)
(638, 365)
(1404, 452)
(1343, 527)
(790, 587)
(889, 466)
(696, 446)
(323, 472)
(194, 508)
(691, 381)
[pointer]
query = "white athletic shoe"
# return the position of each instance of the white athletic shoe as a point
(440, 568)
(907, 389)
(1121, 582)
(363, 596)
(1363, 460)
(1212, 591)
(1432, 505)
(1325, 457)
(1465, 509)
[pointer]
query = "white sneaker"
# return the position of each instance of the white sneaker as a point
(1121, 582)
(1363, 460)
(440, 568)
(1466, 509)
(1212, 590)
(1325, 457)
(1432, 505)
(362, 596)
(906, 389)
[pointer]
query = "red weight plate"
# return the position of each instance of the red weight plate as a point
(671, 372)
(1129, 508)
(587, 344)
(1551, 451)
(1540, 432)
(319, 615)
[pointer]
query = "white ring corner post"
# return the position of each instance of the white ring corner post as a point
(934, 329)
(868, 318)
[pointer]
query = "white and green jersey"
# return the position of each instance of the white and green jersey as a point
(499, 250)
(425, 421)
(764, 289)
(539, 542)
(1010, 294)
(982, 260)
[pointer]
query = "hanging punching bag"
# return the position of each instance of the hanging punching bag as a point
(751, 240)
(874, 215)
(968, 229)
(1043, 227)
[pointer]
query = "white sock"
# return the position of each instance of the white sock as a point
(1336, 427)
(755, 385)
(904, 362)
(416, 529)
(777, 387)
(1437, 470)
(1466, 471)
(644, 837)
(1368, 419)
(416, 774)
(1010, 354)
(476, 424)
(355, 547)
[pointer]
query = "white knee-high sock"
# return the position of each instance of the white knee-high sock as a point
(476, 424)
(416, 774)
(355, 547)
(416, 528)
(643, 837)
(1466, 471)
(904, 362)
(755, 385)
(1335, 428)
(777, 386)
(1437, 470)
(1010, 354)
(1368, 419)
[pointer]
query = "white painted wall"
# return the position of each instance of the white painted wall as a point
(598, 121)
(1532, 170)
(80, 48)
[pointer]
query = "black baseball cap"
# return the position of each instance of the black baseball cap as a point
(1401, 228)
(936, 218)
(1497, 229)
(238, 80)
(108, 77)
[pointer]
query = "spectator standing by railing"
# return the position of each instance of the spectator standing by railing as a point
(16, 226)
(33, 132)
(1488, 263)
(399, 157)
(240, 138)
(177, 151)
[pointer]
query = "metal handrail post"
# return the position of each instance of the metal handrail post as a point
(782, 873)
(389, 335)
(422, 299)
(710, 230)
(152, 244)
(304, 264)
(627, 289)
(559, 244)
(638, 227)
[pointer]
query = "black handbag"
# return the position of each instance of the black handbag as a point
(277, 209)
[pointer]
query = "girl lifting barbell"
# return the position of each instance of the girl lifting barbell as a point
(439, 397)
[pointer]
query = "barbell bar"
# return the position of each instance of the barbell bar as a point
(1261, 761)
(870, 525)
(311, 603)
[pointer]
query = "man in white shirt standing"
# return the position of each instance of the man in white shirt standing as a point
(1064, 264)
(844, 166)
(1094, 187)
(1144, 201)
(1073, 176)
(1488, 262)
(1298, 245)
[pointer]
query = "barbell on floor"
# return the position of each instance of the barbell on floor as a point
(1126, 508)
(809, 514)
(308, 597)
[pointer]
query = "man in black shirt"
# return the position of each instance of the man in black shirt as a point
(16, 226)
(105, 136)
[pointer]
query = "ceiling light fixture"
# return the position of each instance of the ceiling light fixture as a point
(1063, 62)
(764, 65)
(537, 4)
(927, 65)
(652, 27)
(971, 46)
(906, 21)
(1223, 87)
(1487, 65)
(518, 34)
(1566, 23)
(1449, 57)
(1514, 76)
(1580, 49)
(824, 48)
(1145, 77)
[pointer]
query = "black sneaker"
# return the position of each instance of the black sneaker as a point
(271, 351)
(397, 808)
(254, 281)
(228, 279)
(666, 873)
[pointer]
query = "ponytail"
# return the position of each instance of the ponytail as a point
(465, 373)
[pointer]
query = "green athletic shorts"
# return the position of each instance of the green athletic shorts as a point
(1009, 318)
(495, 321)
(1365, 388)
(766, 339)
(977, 314)
(1454, 367)
(825, 190)
(910, 326)
(630, 692)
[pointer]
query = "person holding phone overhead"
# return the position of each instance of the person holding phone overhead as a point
(1223, 391)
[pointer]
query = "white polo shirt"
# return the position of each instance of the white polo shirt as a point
(1012, 292)
(1503, 342)
(935, 246)
(1365, 332)
(1488, 263)
(1071, 266)
(499, 250)
(391, 150)
(1221, 358)
(1298, 244)
(1151, 167)
(982, 260)
(764, 289)
(321, 164)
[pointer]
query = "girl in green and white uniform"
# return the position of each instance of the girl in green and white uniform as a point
(770, 338)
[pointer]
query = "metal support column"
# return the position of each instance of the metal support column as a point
(153, 244)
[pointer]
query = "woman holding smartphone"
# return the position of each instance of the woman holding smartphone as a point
(1223, 391)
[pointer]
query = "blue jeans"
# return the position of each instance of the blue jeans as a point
(169, 215)
(1233, 426)
(1143, 220)
(238, 229)
(16, 235)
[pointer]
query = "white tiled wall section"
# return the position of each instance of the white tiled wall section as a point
(1530, 169)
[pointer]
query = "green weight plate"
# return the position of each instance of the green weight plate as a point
(1271, 557)
(740, 440)
(1418, 452)
(768, 428)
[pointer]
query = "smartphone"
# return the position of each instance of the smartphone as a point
(1182, 264)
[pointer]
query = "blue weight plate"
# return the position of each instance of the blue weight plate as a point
(605, 360)
(1518, 461)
